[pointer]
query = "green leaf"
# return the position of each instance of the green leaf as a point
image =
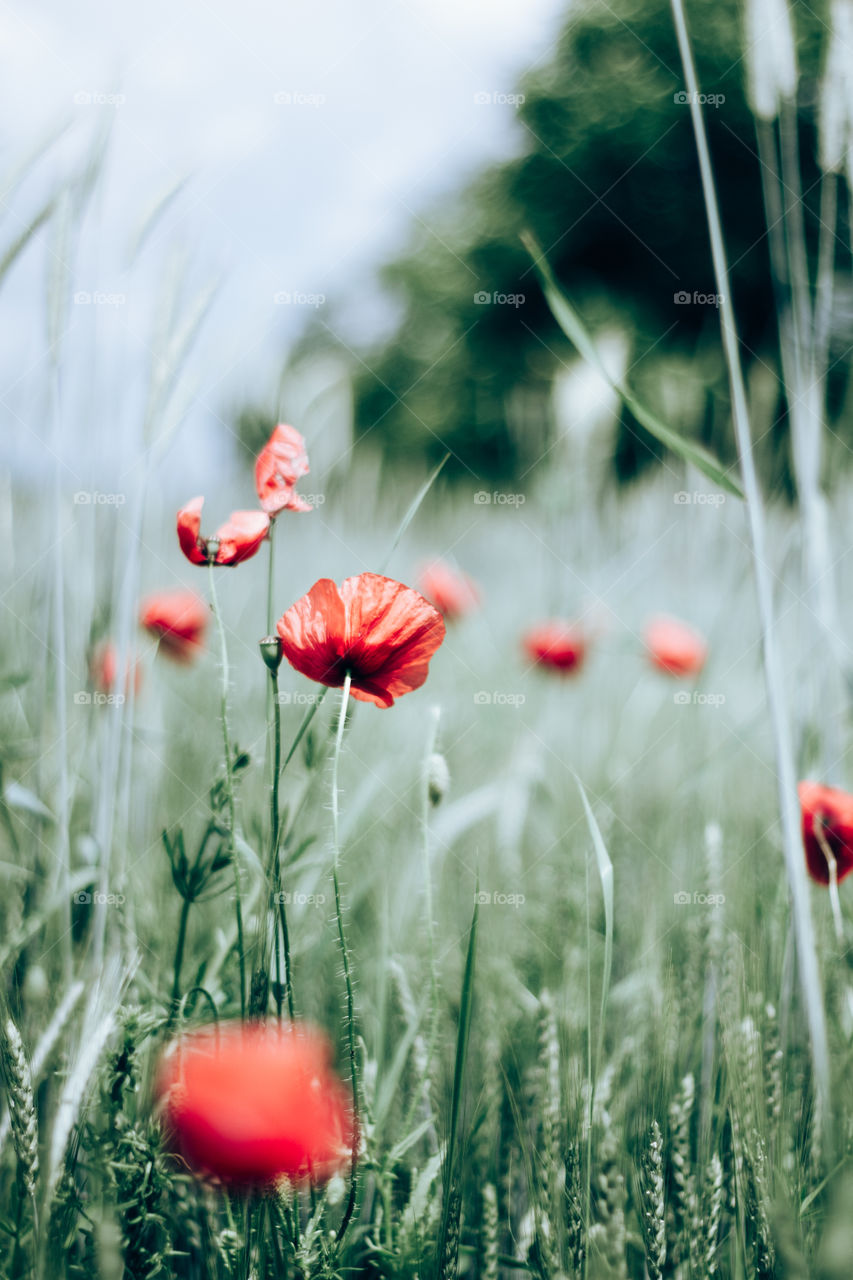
(576, 331)
(605, 875)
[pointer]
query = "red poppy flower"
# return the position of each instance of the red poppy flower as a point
(379, 631)
(279, 465)
(453, 594)
(178, 620)
(560, 645)
(248, 1104)
(236, 540)
(675, 647)
(103, 668)
(827, 824)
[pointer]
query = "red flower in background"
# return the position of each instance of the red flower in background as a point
(103, 669)
(236, 540)
(279, 465)
(248, 1104)
(675, 647)
(378, 630)
(560, 645)
(827, 825)
(178, 620)
(453, 593)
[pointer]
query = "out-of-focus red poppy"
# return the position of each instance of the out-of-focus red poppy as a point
(454, 594)
(675, 647)
(827, 825)
(378, 630)
(559, 645)
(236, 540)
(279, 465)
(178, 620)
(251, 1103)
(103, 668)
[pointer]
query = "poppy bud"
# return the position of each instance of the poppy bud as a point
(438, 778)
(271, 652)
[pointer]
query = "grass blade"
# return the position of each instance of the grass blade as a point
(413, 511)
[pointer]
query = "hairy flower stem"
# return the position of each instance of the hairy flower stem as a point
(350, 1205)
(282, 934)
(229, 787)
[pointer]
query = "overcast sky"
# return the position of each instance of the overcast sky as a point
(310, 136)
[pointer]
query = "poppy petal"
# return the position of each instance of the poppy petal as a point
(392, 633)
(282, 461)
(241, 536)
(189, 527)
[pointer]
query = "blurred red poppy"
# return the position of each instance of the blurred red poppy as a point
(236, 540)
(560, 645)
(378, 630)
(279, 465)
(178, 620)
(250, 1103)
(453, 593)
(675, 647)
(103, 668)
(827, 826)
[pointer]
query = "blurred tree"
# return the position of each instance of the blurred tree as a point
(609, 184)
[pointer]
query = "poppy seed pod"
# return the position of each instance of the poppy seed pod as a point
(271, 652)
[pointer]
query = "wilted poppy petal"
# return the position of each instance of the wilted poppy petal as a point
(279, 465)
(241, 536)
(189, 527)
